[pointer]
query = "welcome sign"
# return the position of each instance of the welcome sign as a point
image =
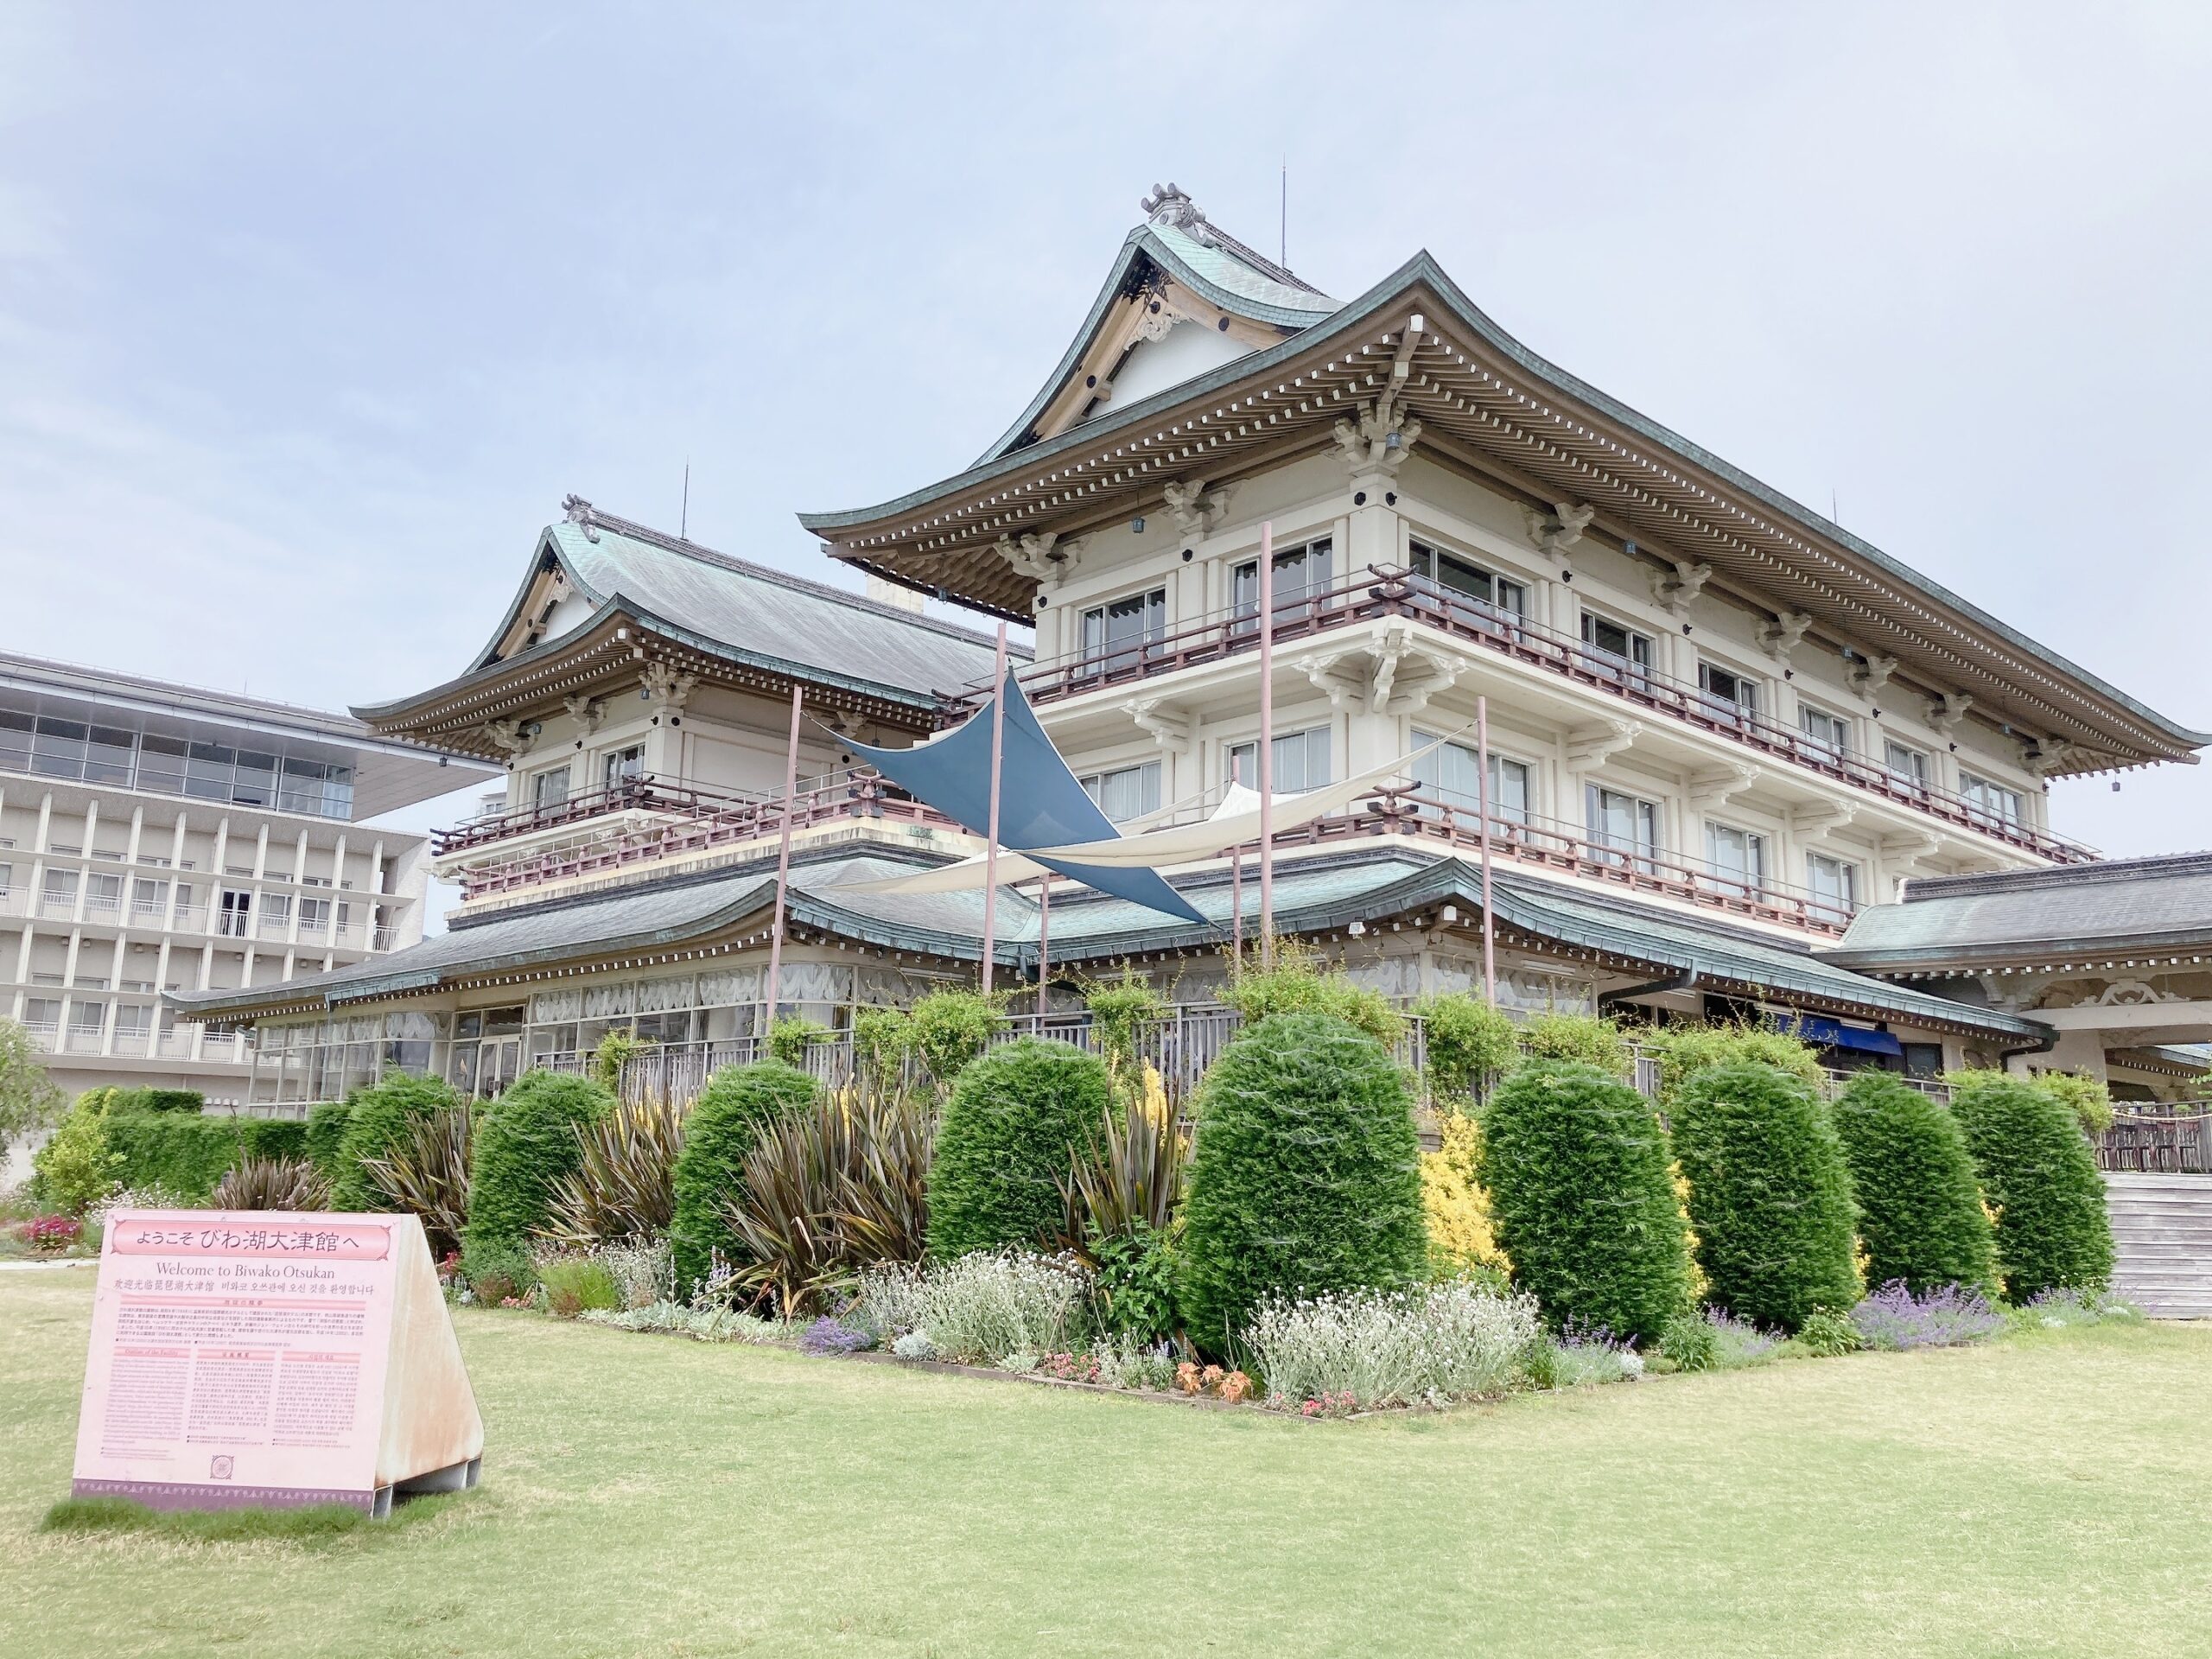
(241, 1359)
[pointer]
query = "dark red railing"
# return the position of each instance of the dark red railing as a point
(1385, 591)
(647, 791)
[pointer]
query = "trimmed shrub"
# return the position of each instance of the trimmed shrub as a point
(1019, 1120)
(1920, 1214)
(1686, 1049)
(2091, 1100)
(496, 1270)
(1769, 1194)
(880, 1039)
(948, 1030)
(1454, 1207)
(376, 1120)
(1578, 1039)
(2040, 1177)
(1305, 1176)
(1302, 983)
(326, 1126)
(526, 1143)
(157, 1100)
(1582, 1200)
(187, 1154)
(725, 1123)
(1466, 1042)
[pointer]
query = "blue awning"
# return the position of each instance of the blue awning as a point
(1040, 803)
(1833, 1034)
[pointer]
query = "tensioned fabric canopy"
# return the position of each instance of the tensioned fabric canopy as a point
(1040, 803)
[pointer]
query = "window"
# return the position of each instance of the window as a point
(1450, 775)
(1300, 574)
(237, 910)
(1115, 634)
(623, 766)
(133, 1020)
(207, 769)
(1833, 883)
(1130, 792)
(1621, 823)
(59, 895)
(1909, 767)
(1736, 858)
(108, 754)
(1461, 580)
(314, 915)
(1991, 800)
(1831, 734)
(15, 730)
(7, 879)
(86, 1017)
(1616, 646)
(1297, 761)
(550, 788)
(1727, 692)
(103, 895)
(276, 912)
(149, 899)
(162, 763)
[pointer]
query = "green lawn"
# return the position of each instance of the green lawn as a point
(645, 1495)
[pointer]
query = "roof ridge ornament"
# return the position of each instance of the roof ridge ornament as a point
(1167, 205)
(577, 510)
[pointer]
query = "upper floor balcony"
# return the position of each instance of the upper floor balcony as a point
(1380, 592)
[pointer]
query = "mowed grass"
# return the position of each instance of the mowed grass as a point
(643, 1495)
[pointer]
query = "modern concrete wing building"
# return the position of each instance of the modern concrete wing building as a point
(1722, 727)
(162, 838)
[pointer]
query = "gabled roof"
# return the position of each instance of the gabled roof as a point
(1541, 435)
(730, 610)
(2141, 906)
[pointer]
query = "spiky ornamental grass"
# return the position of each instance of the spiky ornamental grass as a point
(526, 1143)
(1583, 1202)
(426, 1173)
(271, 1184)
(1305, 1178)
(738, 1103)
(1920, 1214)
(622, 1186)
(2039, 1175)
(376, 1119)
(1017, 1119)
(1769, 1194)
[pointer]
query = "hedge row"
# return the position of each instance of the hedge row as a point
(188, 1153)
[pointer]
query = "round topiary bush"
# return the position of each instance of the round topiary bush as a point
(525, 1142)
(725, 1124)
(2039, 1175)
(1920, 1214)
(376, 1120)
(1769, 1194)
(1017, 1118)
(1582, 1200)
(1305, 1176)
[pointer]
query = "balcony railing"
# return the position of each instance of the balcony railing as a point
(644, 792)
(1386, 591)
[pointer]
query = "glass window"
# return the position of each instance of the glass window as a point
(1449, 774)
(1300, 574)
(1615, 645)
(1834, 883)
(237, 910)
(108, 753)
(1736, 858)
(149, 899)
(1298, 760)
(623, 766)
(301, 788)
(338, 792)
(58, 749)
(1992, 800)
(1727, 692)
(1127, 793)
(61, 886)
(1117, 633)
(1623, 823)
(102, 893)
(1907, 766)
(1459, 579)
(85, 1016)
(162, 763)
(16, 729)
(550, 788)
(253, 783)
(314, 915)
(207, 771)
(1831, 734)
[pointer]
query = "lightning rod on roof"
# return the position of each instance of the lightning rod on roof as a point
(683, 515)
(1282, 236)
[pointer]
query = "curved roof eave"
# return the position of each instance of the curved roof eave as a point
(1394, 290)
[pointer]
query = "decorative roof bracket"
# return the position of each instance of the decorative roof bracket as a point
(1555, 531)
(1946, 710)
(1674, 589)
(1868, 675)
(1717, 785)
(1781, 637)
(1197, 509)
(1589, 745)
(1172, 726)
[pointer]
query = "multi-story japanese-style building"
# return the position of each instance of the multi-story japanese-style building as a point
(158, 837)
(1722, 727)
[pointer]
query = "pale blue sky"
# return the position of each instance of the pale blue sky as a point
(310, 315)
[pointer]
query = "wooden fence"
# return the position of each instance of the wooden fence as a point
(2158, 1140)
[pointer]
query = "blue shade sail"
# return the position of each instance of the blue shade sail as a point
(1040, 803)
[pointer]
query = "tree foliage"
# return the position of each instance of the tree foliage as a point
(1920, 1214)
(1769, 1194)
(2039, 1175)
(1582, 1200)
(30, 1100)
(1683, 1051)
(1578, 1039)
(526, 1143)
(1302, 981)
(1017, 1119)
(1305, 1176)
(1465, 1042)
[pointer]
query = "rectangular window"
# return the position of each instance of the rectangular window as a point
(15, 731)
(623, 767)
(1298, 760)
(276, 912)
(1130, 792)
(58, 894)
(133, 1019)
(1727, 692)
(108, 751)
(1621, 823)
(1830, 734)
(550, 788)
(1115, 634)
(87, 1016)
(150, 899)
(103, 895)
(1456, 579)
(1833, 883)
(1736, 858)
(1450, 774)
(162, 764)
(314, 915)
(58, 748)
(1908, 766)
(1992, 800)
(207, 771)
(253, 781)
(236, 913)
(1300, 574)
(7, 879)
(1614, 646)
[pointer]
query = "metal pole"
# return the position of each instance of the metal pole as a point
(991, 841)
(1267, 745)
(1044, 944)
(783, 870)
(1236, 872)
(1482, 798)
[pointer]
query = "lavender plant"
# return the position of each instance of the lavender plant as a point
(1893, 1318)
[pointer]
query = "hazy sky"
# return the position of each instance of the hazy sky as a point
(309, 316)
